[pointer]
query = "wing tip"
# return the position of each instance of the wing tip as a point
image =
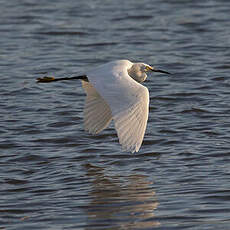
(130, 148)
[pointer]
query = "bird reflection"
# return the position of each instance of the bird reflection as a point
(124, 202)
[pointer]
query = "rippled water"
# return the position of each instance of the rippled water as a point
(53, 175)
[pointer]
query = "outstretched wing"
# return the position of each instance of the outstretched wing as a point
(127, 99)
(131, 123)
(97, 114)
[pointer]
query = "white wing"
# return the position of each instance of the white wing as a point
(131, 123)
(128, 101)
(97, 114)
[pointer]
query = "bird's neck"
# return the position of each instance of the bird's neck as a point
(137, 76)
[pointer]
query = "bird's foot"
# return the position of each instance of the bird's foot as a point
(45, 79)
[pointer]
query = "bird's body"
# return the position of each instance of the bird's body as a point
(114, 93)
(126, 102)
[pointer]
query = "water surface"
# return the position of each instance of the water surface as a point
(53, 175)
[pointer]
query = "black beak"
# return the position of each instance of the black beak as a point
(160, 71)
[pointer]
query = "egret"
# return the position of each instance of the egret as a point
(113, 92)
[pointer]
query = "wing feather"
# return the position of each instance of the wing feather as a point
(97, 114)
(127, 99)
(131, 123)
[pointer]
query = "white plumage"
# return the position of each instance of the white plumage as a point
(97, 114)
(113, 94)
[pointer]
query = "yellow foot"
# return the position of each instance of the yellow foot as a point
(45, 79)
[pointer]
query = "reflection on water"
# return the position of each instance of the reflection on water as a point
(121, 202)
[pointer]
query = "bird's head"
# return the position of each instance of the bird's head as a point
(138, 71)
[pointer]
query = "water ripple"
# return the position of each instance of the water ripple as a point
(53, 175)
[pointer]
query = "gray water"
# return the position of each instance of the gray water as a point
(53, 175)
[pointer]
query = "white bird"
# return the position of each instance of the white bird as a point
(113, 92)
